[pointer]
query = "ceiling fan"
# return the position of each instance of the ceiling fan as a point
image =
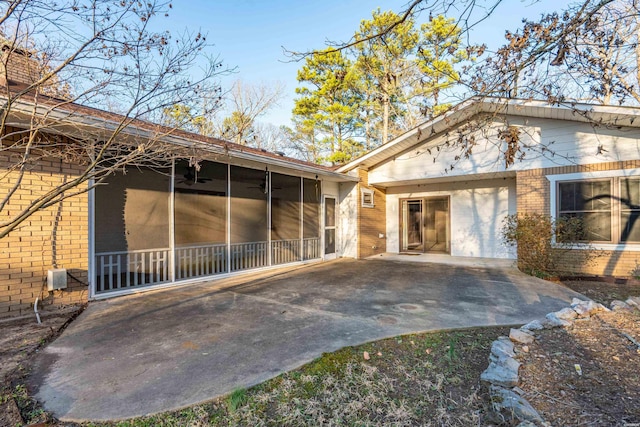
(191, 177)
(263, 186)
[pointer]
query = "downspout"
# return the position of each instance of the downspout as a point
(35, 310)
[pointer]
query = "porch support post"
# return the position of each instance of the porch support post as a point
(268, 217)
(301, 218)
(172, 221)
(322, 221)
(92, 239)
(228, 224)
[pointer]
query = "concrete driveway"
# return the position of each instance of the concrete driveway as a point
(165, 350)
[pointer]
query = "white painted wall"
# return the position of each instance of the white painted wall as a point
(348, 220)
(477, 210)
(568, 143)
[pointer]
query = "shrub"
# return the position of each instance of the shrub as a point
(543, 242)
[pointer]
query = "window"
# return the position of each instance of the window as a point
(629, 210)
(367, 197)
(591, 202)
(609, 208)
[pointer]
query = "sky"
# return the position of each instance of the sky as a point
(251, 36)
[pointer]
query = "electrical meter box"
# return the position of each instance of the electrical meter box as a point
(57, 279)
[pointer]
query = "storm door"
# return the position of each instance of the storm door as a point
(329, 227)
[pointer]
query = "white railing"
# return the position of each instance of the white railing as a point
(248, 255)
(130, 269)
(200, 260)
(311, 248)
(285, 251)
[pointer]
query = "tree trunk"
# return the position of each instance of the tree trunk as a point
(385, 119)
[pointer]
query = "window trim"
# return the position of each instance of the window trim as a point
(364, 192)
(554, 180)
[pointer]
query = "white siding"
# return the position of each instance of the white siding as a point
(566, 143)
(477, 211)
(348, 220)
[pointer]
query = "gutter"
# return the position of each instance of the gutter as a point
(103, 124)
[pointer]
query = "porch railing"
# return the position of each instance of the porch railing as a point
(285, 251)
(311, 248)
(200, 260)
(130, 269)
(248, 255)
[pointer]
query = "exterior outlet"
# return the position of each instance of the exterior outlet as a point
(57, 279)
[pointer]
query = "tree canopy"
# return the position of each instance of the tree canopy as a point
(359, 97)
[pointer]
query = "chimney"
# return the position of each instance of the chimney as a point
(17, 67)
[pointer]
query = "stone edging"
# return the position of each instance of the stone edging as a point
(502, 373)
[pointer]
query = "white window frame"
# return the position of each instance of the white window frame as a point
(586, 176)
(364, 192)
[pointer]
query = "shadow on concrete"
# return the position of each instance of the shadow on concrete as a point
(164, 350)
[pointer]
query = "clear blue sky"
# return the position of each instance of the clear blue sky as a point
(250, 34)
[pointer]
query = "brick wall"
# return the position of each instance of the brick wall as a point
(17, 66)
(533, 195)
(371, 221)
(53, 237)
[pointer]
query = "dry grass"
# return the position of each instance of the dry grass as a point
(426, 380)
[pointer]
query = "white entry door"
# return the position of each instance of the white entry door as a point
(329, 227)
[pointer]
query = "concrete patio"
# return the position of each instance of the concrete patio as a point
(164, 350)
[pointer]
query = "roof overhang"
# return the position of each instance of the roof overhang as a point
(63, 121)
(601, 115)
(443, 179)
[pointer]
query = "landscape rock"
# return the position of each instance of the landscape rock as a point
(553, 321)
(534, 325)
(633, 301)
(521, 337)
(587, 308)
(511, 405)
(619, 305)
(519, 391)
(566, 314)
(502, 347)
(503, 372)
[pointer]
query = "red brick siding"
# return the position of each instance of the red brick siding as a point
(534, 192)
(20, 68)
(57, 236)
(371, 221)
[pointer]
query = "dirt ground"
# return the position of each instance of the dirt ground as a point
(588, 375)
(19, 340)
(21, 337)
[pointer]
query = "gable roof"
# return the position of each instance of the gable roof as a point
(606, 115)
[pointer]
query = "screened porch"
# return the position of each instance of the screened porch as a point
(162, 226)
